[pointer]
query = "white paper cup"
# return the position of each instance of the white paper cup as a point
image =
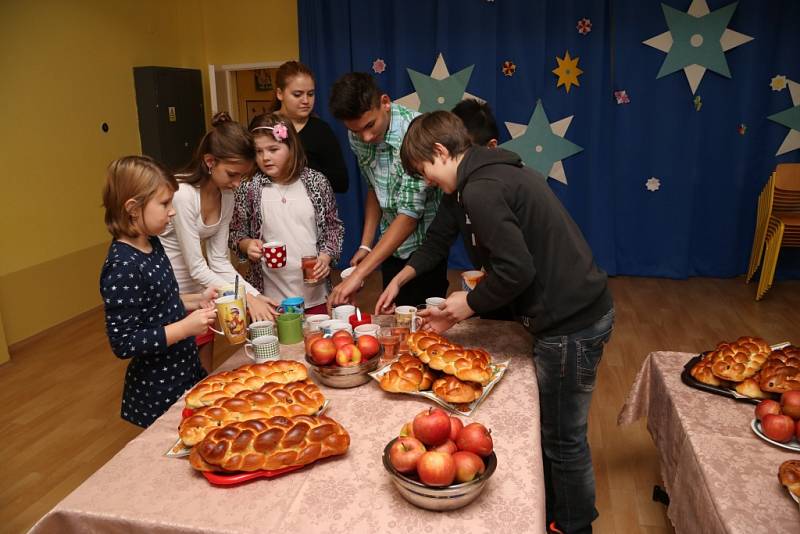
(434, 302)
(317, 318)
(332, 326)
(346, 273)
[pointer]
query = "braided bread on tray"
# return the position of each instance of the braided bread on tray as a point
(272, 399)
(739, 360)
(407, 374)
(781, 372)
(451, 389)
(471, 365)
(270, 444)
(789, 475)
(245, 378)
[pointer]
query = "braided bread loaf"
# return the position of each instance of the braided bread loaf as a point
(272, 399)
(739, 360)
(701, 371)
(245, 378)
(749, 387)
(472, 365)
(407, 374)
(781, 372)
(270, 444)
(789, 475)
(451, 389)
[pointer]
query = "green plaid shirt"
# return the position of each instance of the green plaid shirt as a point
(397, 192)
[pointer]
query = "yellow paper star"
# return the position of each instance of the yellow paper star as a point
(567, 71)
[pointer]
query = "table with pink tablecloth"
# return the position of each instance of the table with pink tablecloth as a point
(141, 490)
(720, 477)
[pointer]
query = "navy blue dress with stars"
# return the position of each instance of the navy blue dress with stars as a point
(141, 297)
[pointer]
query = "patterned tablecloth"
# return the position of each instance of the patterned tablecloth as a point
(141, 490)
(719, 475)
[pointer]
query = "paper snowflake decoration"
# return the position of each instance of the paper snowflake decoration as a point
(378, 66)
(742, 129)
(584, 26)
(567, 71)
(622, 97)
(509, 68)
(778, 83)
(698, 103)
(653, 184)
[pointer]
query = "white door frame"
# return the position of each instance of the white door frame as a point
(230, 83)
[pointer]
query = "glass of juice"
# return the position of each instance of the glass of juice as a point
(389, 342)
(311, 333)
(307, 263)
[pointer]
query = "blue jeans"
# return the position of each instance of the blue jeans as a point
(566, 368)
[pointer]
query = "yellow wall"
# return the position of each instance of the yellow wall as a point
(67, 68)
(252, 102)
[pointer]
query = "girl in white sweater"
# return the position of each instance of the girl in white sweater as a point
(203, 208)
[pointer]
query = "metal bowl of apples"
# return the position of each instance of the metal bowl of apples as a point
(345, 366)
(443, 498)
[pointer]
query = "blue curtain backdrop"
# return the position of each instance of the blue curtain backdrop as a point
(700, 222)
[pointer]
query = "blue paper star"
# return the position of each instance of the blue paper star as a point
(440, 94)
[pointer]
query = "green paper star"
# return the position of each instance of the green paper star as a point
(788, 117)
(696, 40)
(440, 94)
(539, 147)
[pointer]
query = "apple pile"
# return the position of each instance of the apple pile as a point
(342, 350)
(440, 449)
(780, 421)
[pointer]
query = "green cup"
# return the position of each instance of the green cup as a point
(290, 328)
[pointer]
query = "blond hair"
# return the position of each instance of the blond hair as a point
(424, 131)
(136, 178)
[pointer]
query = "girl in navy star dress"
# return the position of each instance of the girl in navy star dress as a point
(146, 319)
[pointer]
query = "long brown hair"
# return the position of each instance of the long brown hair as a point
(264, 124)
(227, 140)
(135, 178)
(286, 72)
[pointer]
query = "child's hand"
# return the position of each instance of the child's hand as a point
(197, 322)
(254, 250)
(208, 296)
(323, 266)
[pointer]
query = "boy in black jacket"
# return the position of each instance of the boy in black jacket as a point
(538, 262)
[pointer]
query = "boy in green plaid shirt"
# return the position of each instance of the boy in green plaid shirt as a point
(401, 206)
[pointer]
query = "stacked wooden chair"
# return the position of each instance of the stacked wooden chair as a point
(777, 224)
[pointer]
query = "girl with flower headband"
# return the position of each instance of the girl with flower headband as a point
(203, 210)
(286, 201)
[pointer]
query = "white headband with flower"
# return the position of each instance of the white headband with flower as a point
(279, 131)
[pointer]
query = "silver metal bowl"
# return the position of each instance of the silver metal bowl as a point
(344, 377)
(439, 499)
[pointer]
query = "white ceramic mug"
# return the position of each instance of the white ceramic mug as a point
(434, 302)
(347, 272)
(343, 312)
(264, 348)
(334, 325)
(406, 317)
(366, 329)
(317, 318)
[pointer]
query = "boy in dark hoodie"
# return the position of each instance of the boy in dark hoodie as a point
(536, 261)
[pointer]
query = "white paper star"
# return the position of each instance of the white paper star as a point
(653, 184)
(694, 73)
(439, 72)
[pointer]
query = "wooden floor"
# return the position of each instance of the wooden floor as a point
(60, 395)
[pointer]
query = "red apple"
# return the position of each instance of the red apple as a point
(368, 345)
(432, 427)
(475, 438)
(348, 355)
(790, 404)
(323, 351)
(766, 407)
(468, 466)
(436, 469)
(448, 446)
(778, 428)
(455, 427)
(405, 452)
(342, 338)
(408, 429)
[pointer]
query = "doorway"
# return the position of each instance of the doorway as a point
(243, 90)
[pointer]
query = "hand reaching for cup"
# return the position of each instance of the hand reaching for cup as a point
(454, 310)
(385, 303)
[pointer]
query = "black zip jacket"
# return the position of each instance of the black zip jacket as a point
(534, 254)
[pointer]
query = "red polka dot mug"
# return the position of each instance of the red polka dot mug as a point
(274, 254)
